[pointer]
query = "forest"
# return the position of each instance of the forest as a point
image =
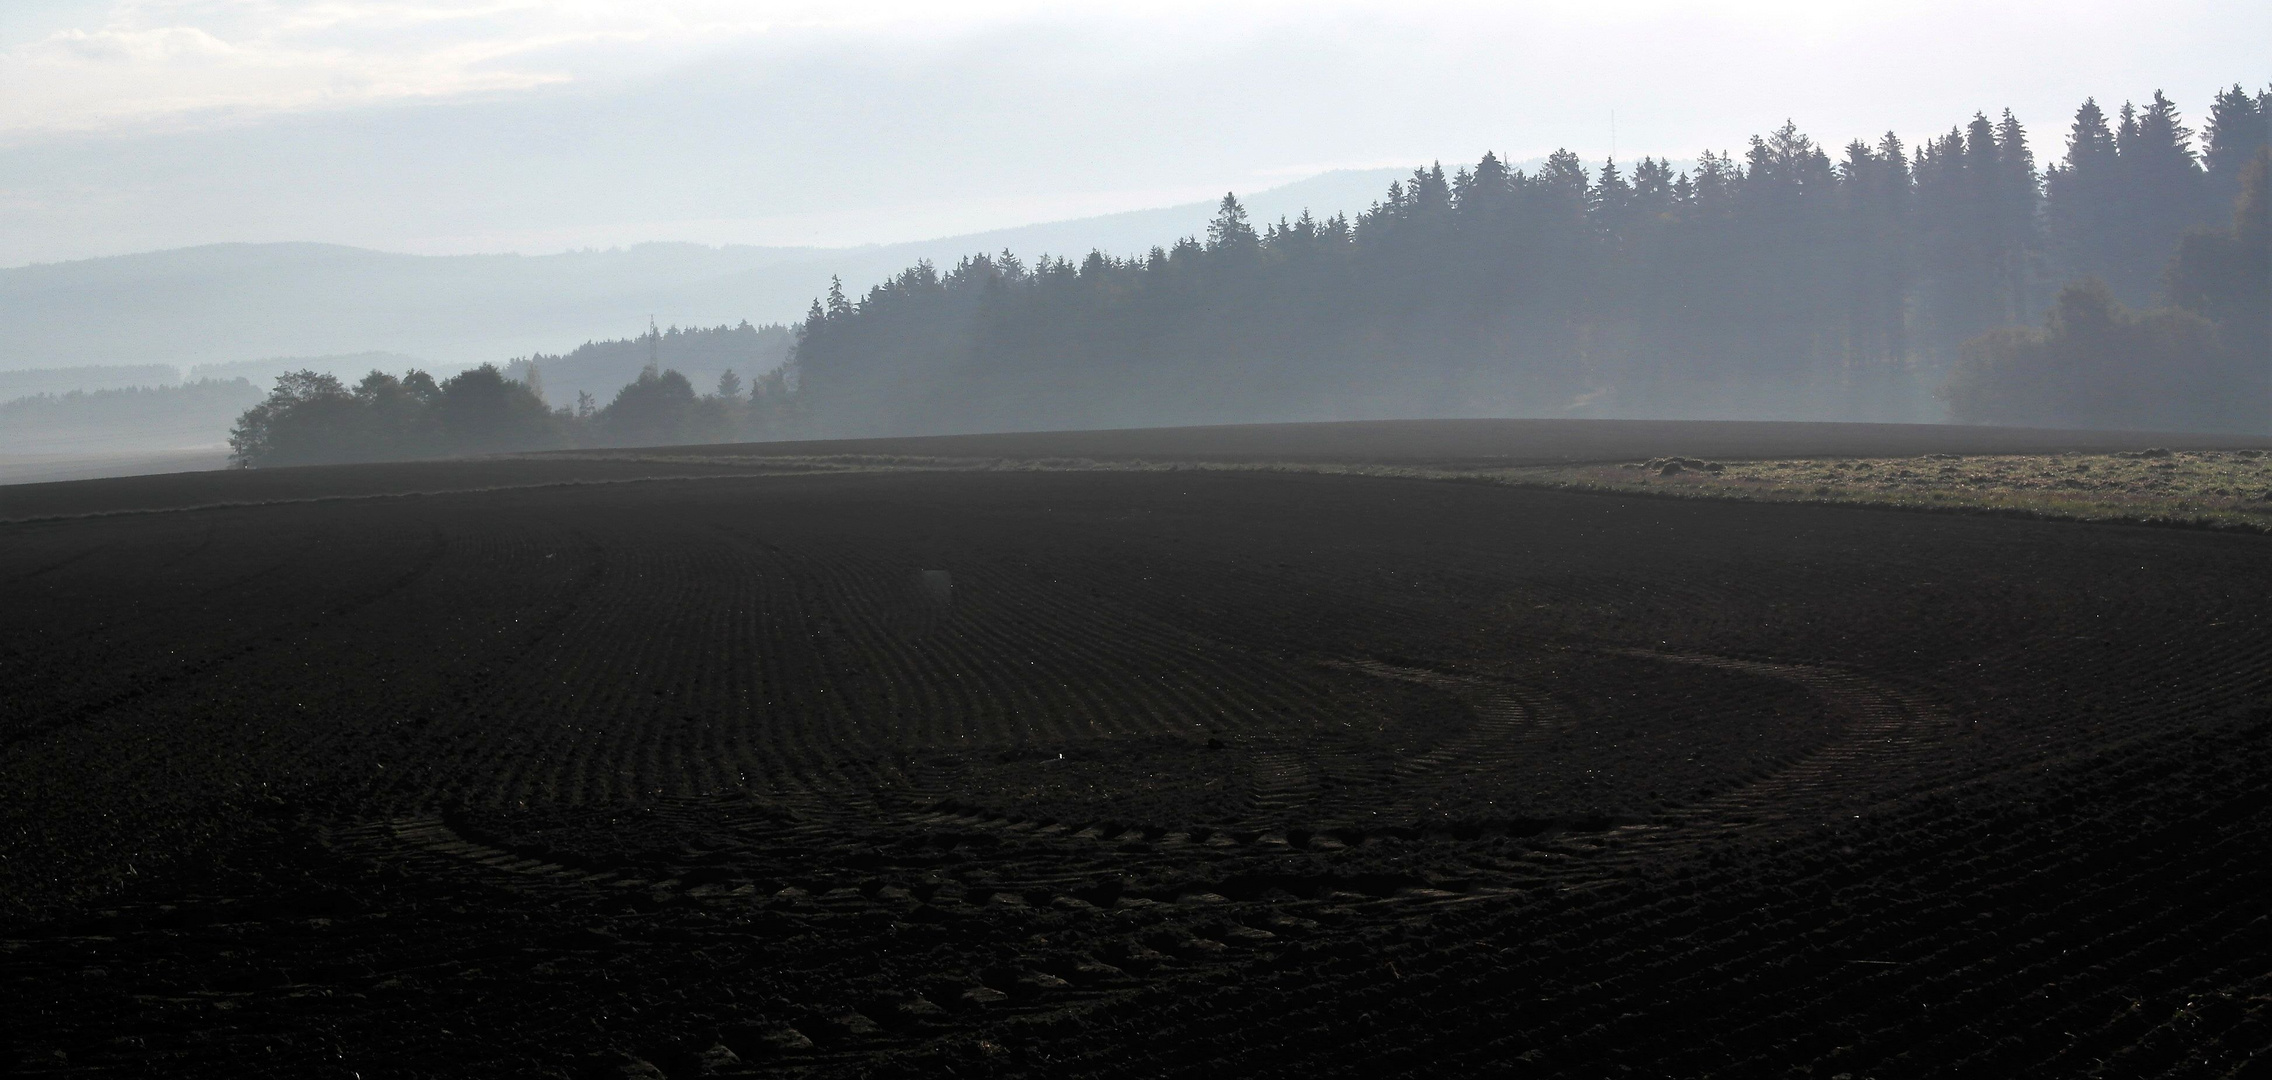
(1889, 283)
(596, 369)
(1877, 282)
(314, 418)
(55, 382)
(123, 418)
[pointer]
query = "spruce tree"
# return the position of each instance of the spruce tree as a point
(2079, 196)
(1430, 194)
(2161, 197)
(1612, 200)
(1652, 186)
(1562, 182)
(1874, 182)
(2238, 126)
(1752, 286)
(1953, 185)
(2018, 204)
(1484, 189)
(1230, 231)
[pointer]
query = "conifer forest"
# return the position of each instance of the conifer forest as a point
(1790, 279)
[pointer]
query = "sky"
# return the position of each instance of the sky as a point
(536, 126)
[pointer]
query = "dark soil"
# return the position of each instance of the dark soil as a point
(1207, 773)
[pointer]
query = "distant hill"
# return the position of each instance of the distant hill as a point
(347, 366)
(30, 381)
(194, 415)
(229, 303)
(235, 302)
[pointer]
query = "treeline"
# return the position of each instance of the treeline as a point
(136, 418)
(1786, 281)
(26, 382)
(312, 418)
(1884, 282)
(2202, 361)
(587, 374)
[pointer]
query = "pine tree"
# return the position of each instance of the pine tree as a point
(1716, 176)
(2080, 197)
(1612, 200)
(1957, 288)
(1752, 286)
(1894, 175)
(1485, 189)
(1652, 188)
(2017, 207)
(1875, 184)
(1230, 231)
(2163, 136)
(2159, 198)
(1562, 182)
(2238, 127)
(1430, 194)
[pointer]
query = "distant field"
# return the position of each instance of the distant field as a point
(2102, 476)
(1083, 765)
(1536, 451)
(49, 468)
(1497, 442)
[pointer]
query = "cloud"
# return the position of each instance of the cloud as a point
(488, 124)
(166, 61)
(160, 45)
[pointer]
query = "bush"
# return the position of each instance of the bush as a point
(311, 419)
(2097, 364)
(2204, 364)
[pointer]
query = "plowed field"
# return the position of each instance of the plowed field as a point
(1122, 774)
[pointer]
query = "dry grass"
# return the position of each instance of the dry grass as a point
(2225, 488)
(2213, 488)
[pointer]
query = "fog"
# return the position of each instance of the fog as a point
(245, 303)
(230, 189)
(536, 127)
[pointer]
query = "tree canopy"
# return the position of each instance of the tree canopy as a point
(1782, 281)
(311, 418)
(1791, 280)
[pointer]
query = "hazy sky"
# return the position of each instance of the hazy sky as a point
(540, 125)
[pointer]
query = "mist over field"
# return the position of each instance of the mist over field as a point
(1440, 212)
